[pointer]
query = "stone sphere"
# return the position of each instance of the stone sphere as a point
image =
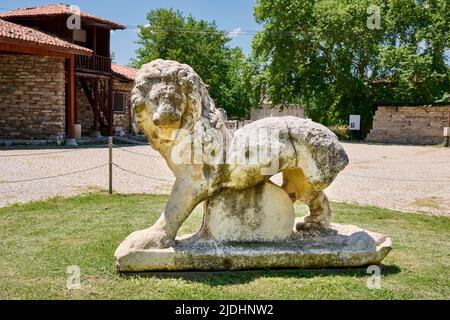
(263, 213)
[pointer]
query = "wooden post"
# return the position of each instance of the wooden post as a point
(94, 41)
(111, 108)
(75, 104)
(71, 98)
(110, 143)
(94, 84)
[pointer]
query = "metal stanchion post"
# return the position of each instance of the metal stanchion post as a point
(447, 133)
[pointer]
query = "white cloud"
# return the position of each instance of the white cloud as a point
(235, 32)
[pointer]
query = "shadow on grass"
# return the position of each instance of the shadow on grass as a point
(218, 278)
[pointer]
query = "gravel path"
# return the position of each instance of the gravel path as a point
(409, 178)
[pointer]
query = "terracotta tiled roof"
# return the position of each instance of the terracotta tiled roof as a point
(17, 34)
(125, 72)
(54, 10)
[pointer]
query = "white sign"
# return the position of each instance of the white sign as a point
(355, 122)
(79, 35)
(446, 131)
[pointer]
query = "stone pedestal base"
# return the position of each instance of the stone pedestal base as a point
(341, 246)
(71, 142)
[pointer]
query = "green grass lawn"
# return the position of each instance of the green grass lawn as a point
(38, 241)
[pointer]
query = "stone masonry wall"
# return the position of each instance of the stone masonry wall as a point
(409, 125)
(123, 119)
(268, 111)
(85, 115)
(32, 97)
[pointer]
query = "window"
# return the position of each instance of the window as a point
(79, 35)
(119, 101)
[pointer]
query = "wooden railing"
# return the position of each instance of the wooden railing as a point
(93, 63)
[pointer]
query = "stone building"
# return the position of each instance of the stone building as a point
(32, 97)
(53, 77)
(268, 110)
(122, 86)
(410, 124)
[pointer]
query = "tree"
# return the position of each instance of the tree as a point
(170, 35)
(253, 78)
(328, 54)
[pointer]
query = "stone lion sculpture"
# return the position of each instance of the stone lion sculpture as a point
(173, 108)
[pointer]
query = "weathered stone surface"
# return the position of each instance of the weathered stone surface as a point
(263, 213)
(342, 246)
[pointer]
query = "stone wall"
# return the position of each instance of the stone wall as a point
(86, 116)
(32, 97)
(409, 125)
(267, 111)
(123, 119)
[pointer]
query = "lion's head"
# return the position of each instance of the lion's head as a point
(168, 96)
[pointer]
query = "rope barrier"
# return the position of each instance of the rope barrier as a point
(167, 180)
(137, 153)
(140, 175)
(49, 153)
(36, 154)
(52, 177)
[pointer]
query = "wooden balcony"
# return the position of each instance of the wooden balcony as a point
(93, 64)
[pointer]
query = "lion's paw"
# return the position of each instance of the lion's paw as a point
(148, 239)
(313, 224)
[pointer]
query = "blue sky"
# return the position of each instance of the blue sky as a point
(228, 14)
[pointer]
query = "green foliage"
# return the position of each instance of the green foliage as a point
(342, 132)
(170, 35)
(445, 98)
(324, 54)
